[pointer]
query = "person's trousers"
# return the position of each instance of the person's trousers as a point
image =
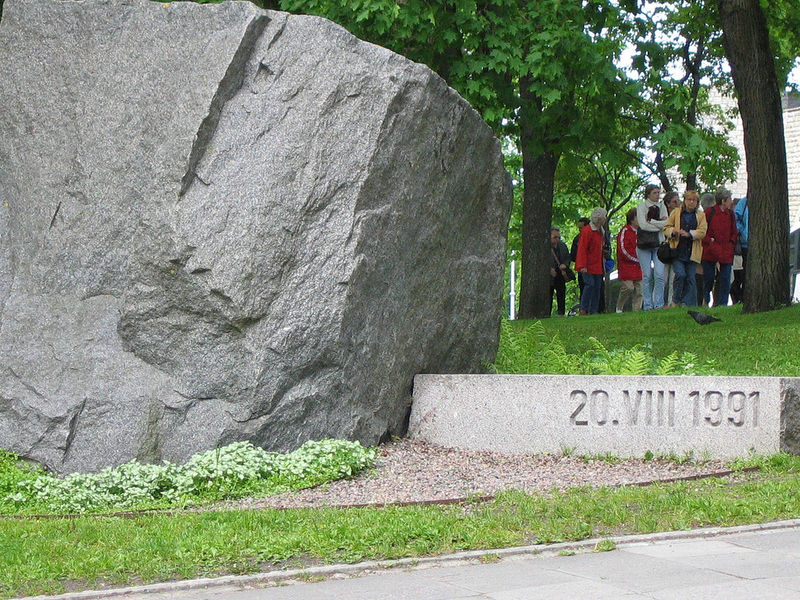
(685, 288)
(630, 289)
(698, 282)
(669, 284)
(559, 286)
(724, 281)
(592, 288)
(601, 306)
(652, 278)
(737, 285)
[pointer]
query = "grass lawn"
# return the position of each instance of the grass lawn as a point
(741, 344)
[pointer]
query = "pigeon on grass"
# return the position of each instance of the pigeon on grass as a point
(702, 318)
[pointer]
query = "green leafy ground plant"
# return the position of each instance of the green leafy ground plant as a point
(233, 471)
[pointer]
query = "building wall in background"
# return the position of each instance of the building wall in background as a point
(791, 128)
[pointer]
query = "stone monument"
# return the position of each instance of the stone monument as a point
(626, 415)
(221, 223)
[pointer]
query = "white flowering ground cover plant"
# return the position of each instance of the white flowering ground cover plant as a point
(233, 471)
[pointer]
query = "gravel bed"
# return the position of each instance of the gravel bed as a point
(414, 471)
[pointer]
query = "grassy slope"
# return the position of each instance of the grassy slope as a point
(742, 344)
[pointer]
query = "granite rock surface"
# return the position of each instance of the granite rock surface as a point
(221, 223)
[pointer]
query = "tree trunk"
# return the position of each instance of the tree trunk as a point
(746, 40)
(691, 181)
(692, 66)
(539, 172)
(661, 168)
(537, 212)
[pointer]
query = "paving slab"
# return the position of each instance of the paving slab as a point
(780, 541)
(687, 548)
(402, 585)
(790, 583)
(565, 591)
(508, 574)
(740, 590)
(637, 573)
(753, 565)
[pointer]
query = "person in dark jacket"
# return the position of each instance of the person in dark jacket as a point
(718, 245)
(559, 270)
(591, 262)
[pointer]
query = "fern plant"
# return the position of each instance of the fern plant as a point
(669, 365)
(527, 350)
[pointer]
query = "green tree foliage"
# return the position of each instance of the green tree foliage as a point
(783, 21)
(542, 73)
(679, 54)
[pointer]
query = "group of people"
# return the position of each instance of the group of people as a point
(669, 253)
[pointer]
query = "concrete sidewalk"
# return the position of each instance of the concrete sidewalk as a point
(745, 562)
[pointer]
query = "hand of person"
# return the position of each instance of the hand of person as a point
(563, 267)
(583, 270)
(552, 272)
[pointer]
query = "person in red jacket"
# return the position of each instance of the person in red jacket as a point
(718, 247)
(590, 261)
(629, 270)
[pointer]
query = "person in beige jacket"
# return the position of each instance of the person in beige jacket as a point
(685, 228)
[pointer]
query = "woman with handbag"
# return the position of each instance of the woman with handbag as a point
(685, 230)
(652, 216)
(560, 273)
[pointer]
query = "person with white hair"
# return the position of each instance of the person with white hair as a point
(590, 261)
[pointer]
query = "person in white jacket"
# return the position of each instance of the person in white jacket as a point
(652, 216)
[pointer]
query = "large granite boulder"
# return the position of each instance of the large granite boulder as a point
(220, 223)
